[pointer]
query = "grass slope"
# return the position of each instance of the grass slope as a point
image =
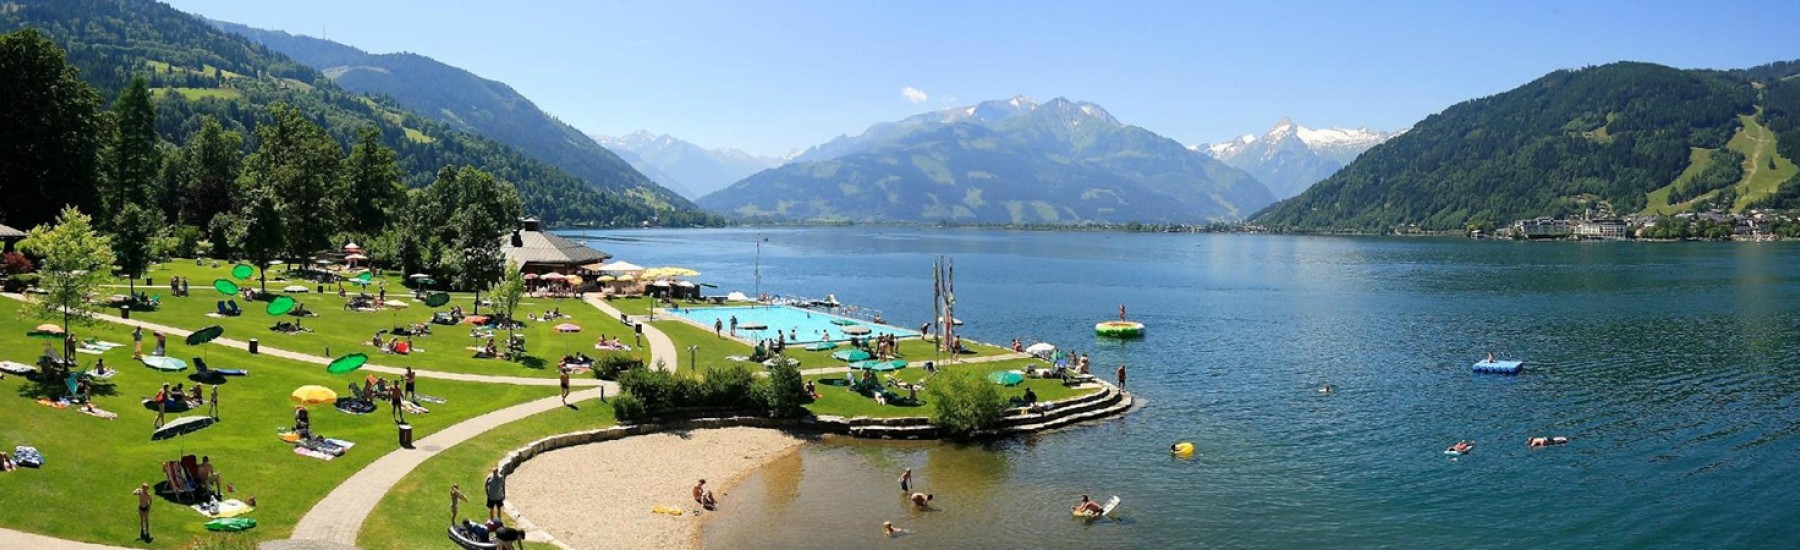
(342, 331)
(1757, 143)
(1658, 201)
(415, 513)
(92, 465)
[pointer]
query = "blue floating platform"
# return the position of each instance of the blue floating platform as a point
(1500, 367)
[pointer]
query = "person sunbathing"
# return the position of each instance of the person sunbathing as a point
(704, 496)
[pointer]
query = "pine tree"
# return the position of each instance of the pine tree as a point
(132, 158)
(297, 163)
(372, 184)
(50, 109)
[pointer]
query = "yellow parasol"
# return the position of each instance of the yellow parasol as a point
(607, 278)
(313, 395)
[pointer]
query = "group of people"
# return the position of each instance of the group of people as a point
(494, 529)
(398, 393)
(193, 398)
(881, 346)
(553, 314)
(395, 344)
(178, 286)
(607, 343)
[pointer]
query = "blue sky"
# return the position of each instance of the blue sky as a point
(768, 77)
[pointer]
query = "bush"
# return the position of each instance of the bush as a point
(656, 391)
(627, 408)
(18, 283)
(732, 386)
(612, 365)
(14, 263)
(965, 402)
(783, 393)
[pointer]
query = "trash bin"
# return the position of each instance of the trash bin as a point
(638, 328)
(253, 346)
(406, 436)
(125, 312)
(321, 289)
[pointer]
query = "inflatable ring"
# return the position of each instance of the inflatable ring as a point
(1120, 329)
(1182, 449)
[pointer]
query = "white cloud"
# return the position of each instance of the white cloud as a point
(914, 95)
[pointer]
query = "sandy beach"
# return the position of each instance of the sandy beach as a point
(601, 495)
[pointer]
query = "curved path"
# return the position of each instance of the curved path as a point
(339, 517)
(661, 347)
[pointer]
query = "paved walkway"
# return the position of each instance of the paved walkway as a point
(19, 539)
(661, 347)
(339, 517)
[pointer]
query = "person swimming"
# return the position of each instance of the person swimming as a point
(889, 530)
(920, 500)
(1088, 507)
(1462, 447)
(1537, 442)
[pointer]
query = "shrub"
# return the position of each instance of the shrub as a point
(965, 402)
(654, 389)
(783, 393)
(14, 263)
(731, 386)
(18, 283)
(610, 366)
(628, 408)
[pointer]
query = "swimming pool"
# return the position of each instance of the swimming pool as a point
(800, 325)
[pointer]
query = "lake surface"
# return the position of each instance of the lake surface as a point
(1671, 367)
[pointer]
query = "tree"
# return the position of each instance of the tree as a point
(135, 231)
(132, 158)
(482, 210)
(372, 183)
(259, 235)
(75, 260)
(50, 128)
(507, 293)
(211, 162)
(297, 162)
(964, 402)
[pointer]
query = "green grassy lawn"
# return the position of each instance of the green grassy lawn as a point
(632, 306)
(92, 465)
(1757, 143)
(195, 94)
(836, 399)
(415, 513)
(343, 331)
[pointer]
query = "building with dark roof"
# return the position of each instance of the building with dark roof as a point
(536, 251)
(8, 236)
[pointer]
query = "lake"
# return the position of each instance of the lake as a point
(1670, 366)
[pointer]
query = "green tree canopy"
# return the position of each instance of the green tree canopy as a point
(297, 162)
(372, 184)
(133, 160)
(135, 230)
(51, 131)
(211, 162)
(260, 230)
(75, 260)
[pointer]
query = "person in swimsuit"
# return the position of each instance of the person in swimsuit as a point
(563, 377)
(456, 498)
(409, 384)
(906, 480)
(143, 498)
(704, 496)
(921, 501)
(889, 530)
(1087, 506)
(394, 397)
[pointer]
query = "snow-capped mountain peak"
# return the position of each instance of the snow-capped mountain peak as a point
(1289, 157)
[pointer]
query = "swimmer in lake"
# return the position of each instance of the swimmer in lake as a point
(1088, 507)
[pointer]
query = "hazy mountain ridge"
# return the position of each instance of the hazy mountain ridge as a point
(1003, 161)
(679, 164)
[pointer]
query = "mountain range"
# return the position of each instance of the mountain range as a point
(687, 168)
(1290, 157)
(1625, 138)
(1013, 161)
(466, 102)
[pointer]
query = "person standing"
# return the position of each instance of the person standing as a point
(456, 499)
(718, 328)
(906, 480)
(1121, 376)
(143, 502)
(1121, 312)
(395, 395)
(162, 399)
(563, 377)
(410, 378)
(214, 402)
(162, 343)
(137, 343)
(734, 325)
(495, 486)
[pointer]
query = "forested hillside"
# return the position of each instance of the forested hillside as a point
(468, 103)
(1625, 137)
(195, 70)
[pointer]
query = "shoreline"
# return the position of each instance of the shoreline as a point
(558, 490)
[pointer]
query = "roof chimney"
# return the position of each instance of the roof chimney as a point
(528, 223)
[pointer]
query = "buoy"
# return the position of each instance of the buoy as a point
(1119, 329)
(1182, 449)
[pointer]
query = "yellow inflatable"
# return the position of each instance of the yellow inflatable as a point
(1182, 449)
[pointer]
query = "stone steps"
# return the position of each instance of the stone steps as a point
(1107, 402)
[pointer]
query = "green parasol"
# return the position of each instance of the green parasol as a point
(243, 272)
(437, 299)
(366, 276)
(1006, 377)
(879, 366)
(851, 355)
(280, 306)
(204, 335)
(225, 286)
(347, 363)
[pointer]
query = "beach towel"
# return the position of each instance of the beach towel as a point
(227, 509)
(97, 412)
(58, 404)
(303, 451)
(17, 368)
(26, 455)
(428, 399)
(230, 524)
